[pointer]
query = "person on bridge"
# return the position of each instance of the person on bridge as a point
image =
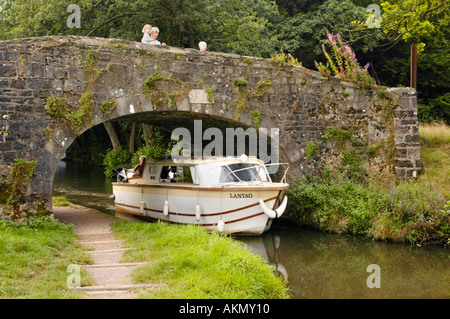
(153, 35)
(146, 37)
(202, 46)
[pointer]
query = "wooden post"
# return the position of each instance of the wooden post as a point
(413, 72)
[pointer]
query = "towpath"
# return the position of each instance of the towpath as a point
(112, 278)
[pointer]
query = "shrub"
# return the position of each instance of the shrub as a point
(437, 109)
(151, 152)
(115, 159)
(409, 212)
(342, 63)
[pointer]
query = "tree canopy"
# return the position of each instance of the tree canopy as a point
(262, 28)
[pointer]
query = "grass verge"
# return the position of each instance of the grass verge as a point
(415, 211)
(192, 263)
(34, 256)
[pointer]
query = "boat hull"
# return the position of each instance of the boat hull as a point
(237, 207)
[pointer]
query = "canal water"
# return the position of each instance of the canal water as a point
(315, 264)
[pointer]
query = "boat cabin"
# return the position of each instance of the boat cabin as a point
(206, 172)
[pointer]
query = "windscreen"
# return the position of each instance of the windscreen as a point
(243, 172)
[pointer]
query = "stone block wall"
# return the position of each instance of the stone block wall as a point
(223, 90)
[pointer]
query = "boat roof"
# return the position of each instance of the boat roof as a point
(206, 160)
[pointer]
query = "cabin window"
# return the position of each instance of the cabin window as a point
(179, 174)
(243, 172)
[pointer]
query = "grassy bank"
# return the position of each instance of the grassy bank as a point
(34, 256)
(415, 211)
(194, 264)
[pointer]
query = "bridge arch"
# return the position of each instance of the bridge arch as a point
(54, 88)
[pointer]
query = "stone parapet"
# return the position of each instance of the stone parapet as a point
(171, 87)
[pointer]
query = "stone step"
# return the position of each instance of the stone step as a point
(110, 256)
(114, 265)
(87, 243)
(111, 274)
(96, 237)
(102, 245)
(109, 251)
(106, 257)
(108, 288)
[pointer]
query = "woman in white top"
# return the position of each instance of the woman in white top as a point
(153, 35)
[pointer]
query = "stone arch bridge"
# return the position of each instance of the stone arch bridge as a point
(54, 88)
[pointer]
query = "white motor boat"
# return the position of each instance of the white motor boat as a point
(233, 195)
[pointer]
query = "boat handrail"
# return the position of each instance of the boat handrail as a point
(259, 167)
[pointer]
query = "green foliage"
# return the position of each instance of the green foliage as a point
(243, 27)
(435, 110)
(107, 107)
(256, 118)
(305, 22)
(416, 19)
(151, 87)
(240, 82)
(156, 151)
(342, 63)
(282, 59)
(21, 174)
(115, 159)
(195, 264)
(210, 94)
(310, 150)
(408, 212)
(60, 201)
(34, 256)
(13, 188)
(414, 211)
(150, 82)
(258, 28)
(56, 107)
(158, 148)
(262, 87)
(353, 154)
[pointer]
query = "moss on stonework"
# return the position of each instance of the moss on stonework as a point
(210, 94)
(13, 192)
(107, 107)
(57, 108)
(256, 118)
(151, 86)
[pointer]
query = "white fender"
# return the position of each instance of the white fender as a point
(221, 225)
(274, 213)
(281, 269)
(198, 212)
(142, 207)
(166, 208)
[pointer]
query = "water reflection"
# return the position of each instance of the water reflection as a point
(83, 185)
(315, 264)
(319, 265)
